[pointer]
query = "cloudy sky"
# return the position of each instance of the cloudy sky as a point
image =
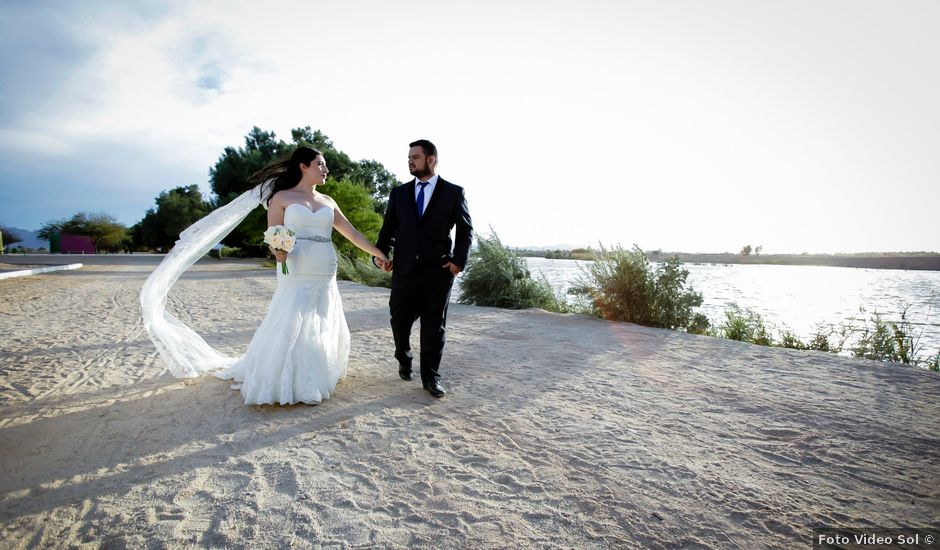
(682, 125)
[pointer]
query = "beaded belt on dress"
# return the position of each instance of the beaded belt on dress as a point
(317, 239)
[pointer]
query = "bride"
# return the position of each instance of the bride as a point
(301, 348)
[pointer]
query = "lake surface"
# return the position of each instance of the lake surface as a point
(800, 297)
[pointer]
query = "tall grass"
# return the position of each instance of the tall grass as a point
(875, 339)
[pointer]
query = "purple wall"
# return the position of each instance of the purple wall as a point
(76, 244)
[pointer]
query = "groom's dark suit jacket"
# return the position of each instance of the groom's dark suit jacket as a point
(429, 237)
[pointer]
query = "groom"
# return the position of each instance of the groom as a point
(418, 222)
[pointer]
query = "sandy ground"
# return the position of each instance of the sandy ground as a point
(559, 431)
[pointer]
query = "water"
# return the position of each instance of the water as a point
(800, 297)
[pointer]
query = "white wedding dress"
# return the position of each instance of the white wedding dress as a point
(301, 349)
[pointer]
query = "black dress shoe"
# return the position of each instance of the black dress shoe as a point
(435, 389)
(405, 372)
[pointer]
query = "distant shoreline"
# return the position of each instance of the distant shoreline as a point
(922, 261)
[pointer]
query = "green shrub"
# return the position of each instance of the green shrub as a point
(820, 342)
(745, 325)
(788, 339)
(700, 325)
(496, 277)
(934, 362)
(226, 252)
(896, 342)
(356, 204)
(876, 341)
(622, 285)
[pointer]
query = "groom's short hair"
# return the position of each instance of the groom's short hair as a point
(426, 146)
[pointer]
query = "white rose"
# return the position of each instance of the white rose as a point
(289, 242)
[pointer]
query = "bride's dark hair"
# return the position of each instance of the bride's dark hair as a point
(283, 174)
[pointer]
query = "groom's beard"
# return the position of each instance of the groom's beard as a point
(420, 174)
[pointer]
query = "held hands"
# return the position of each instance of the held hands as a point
(279, 255)
(386, 265)
(383, 263)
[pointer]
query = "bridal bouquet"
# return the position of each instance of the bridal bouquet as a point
(282, 238)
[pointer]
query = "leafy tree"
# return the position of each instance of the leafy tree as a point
(229, 178)
(50, 228)
(104, 230)
(8, 237)
(746, 251)
(758, 249)
(339, 163)
(356, 204)
(370, 174)
(176, 210)
(373, 175)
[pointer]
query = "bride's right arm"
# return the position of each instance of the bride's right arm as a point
(276, 217)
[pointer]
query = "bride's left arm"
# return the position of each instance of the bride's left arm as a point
(346, 229)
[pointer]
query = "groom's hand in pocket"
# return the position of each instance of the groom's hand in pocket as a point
(454, 268)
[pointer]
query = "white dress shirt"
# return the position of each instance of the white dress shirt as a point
(428, 190)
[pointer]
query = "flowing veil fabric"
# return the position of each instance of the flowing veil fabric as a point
(185, 353)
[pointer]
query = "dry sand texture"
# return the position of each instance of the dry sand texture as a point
(559, 431)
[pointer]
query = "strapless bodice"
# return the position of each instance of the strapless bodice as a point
(313, 257)
(307, 223)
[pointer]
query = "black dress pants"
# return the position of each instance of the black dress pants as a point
(423, 294)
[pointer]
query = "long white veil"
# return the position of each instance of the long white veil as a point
(185, 353)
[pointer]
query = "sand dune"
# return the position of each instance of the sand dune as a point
(559, 431)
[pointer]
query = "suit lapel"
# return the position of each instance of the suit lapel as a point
(411, 199)
(437, 193)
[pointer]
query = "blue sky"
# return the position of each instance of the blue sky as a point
(686, 126)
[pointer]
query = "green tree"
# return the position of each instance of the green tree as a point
(357, 206)
(175, 210)
(229, 178)
(373, 175)
(105, 231)
(370, 174)
(746, 251)
(50, 228)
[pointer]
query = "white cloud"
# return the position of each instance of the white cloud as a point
(686, 126)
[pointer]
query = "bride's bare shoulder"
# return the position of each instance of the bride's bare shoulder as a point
(280, 199)
(327, 199)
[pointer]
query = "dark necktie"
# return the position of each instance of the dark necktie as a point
(420, 200)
